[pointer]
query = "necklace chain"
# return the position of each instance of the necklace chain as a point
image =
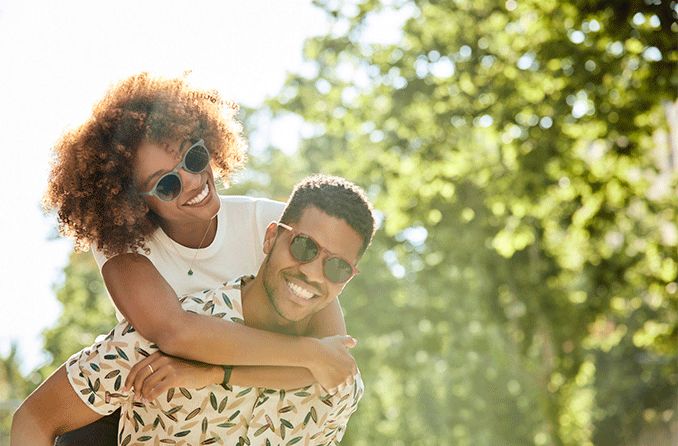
(190, 265)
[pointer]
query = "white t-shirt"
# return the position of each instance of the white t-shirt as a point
(237, 247)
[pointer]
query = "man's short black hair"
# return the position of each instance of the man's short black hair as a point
(334, 196)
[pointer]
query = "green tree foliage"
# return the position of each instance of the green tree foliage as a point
(14, 386)
(523, 289)
(87, 311)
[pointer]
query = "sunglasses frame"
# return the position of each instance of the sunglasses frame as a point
(328, 254)
(174, 172)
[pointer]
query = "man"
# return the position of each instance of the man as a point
(310, 256)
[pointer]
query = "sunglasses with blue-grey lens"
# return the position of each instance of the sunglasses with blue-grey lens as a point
(169, 186)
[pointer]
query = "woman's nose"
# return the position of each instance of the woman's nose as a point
(191, 181)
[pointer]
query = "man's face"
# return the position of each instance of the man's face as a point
(298, 290)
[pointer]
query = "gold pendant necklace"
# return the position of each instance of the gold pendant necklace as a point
(190, 265)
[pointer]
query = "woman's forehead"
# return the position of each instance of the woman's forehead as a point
(152, 156)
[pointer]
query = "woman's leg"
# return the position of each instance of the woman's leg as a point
(53, 408)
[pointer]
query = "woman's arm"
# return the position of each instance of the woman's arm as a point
(327, 322)
(52, 409)
(169, 372)
(151, 305)
(285, 378)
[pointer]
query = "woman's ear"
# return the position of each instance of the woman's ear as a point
(269, 238)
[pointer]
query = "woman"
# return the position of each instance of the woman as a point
(135, 182)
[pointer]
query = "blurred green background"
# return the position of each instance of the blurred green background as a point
(523, 156)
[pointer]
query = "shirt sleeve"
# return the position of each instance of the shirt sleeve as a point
(343, 404)
(97, 373)
(306, 416)
(99, 257)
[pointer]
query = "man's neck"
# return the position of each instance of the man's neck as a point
(259, 313)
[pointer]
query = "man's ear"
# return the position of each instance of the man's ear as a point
(269, 238)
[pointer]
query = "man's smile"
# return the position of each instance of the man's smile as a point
(300, 289)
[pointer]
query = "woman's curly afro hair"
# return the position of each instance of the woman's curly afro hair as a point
(91, 185)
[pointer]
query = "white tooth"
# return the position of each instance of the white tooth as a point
(201, 196)
(299, 291)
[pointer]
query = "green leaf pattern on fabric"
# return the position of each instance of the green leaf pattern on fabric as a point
(213, 414)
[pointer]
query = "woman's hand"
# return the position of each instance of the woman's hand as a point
(332, 365)
(157, 373)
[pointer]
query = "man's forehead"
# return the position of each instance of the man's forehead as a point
(334, 233)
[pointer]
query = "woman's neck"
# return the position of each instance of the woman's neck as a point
(192, 235)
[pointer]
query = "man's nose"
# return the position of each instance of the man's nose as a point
(313, 270)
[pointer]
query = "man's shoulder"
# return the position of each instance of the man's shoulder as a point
(224, 301)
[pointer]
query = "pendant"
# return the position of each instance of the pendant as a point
(190, 272)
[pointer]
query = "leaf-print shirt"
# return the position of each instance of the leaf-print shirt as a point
(214, 414)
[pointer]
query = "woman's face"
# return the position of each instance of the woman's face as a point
(198, 199)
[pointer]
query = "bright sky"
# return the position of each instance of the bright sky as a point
(58, 58)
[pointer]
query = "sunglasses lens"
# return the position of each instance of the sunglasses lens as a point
(337, 270)
(197, 159)
(168, 187)
(303, 248)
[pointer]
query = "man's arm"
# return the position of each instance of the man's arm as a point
(52, 409)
